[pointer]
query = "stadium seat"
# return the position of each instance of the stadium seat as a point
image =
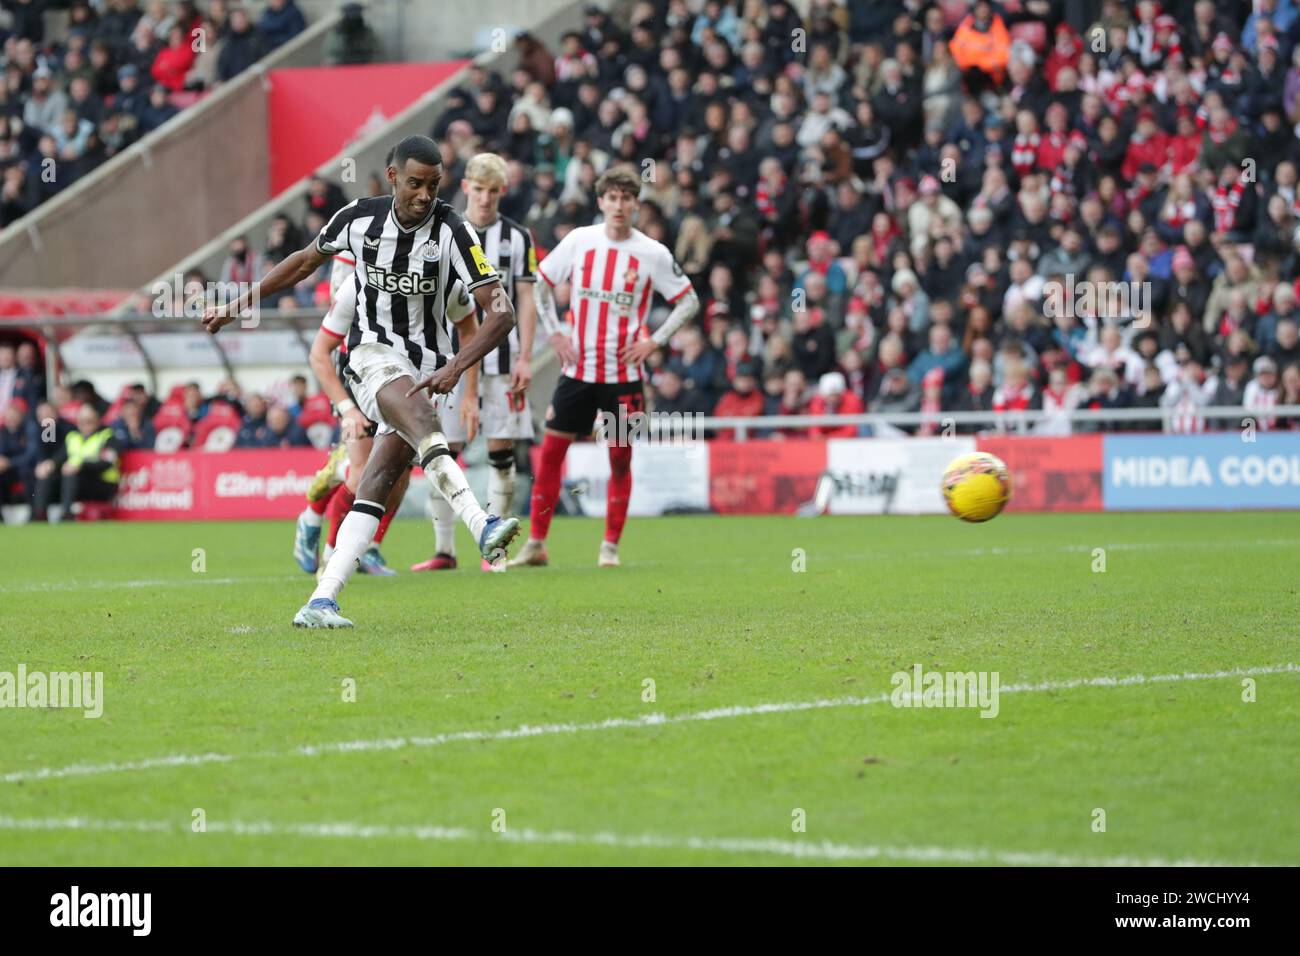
(173, 428)
(318, 421)
(218, 429)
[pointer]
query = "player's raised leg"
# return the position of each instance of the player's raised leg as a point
(416, 420)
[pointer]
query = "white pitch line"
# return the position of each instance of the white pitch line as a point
(795, 849)
(613, 723)
(36, 587)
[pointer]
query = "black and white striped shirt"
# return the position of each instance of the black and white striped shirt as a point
(404, 274)
(509, 248)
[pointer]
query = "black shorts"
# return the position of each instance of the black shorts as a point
(345, 374)
(575, 405)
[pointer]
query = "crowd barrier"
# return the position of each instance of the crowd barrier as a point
(1094, 472)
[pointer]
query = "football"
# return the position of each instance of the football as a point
(976, 486)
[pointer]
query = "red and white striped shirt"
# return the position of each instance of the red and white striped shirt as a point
(610, 286)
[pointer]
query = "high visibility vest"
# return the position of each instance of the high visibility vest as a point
(82, 449)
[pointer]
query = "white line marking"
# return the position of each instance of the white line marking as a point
(32, 587)
(613, 723)
(796, 849)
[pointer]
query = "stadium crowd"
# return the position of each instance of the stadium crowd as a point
(877, 201)
(893, 206)
(907, 206)
(118, 71)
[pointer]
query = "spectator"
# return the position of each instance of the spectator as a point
(352, 42)
(243, 265)
(281, 22)
(671, 396)
(10, 382)
(83, 469)
(945, 354)
(132, 431)
(158, 110)
(46, 103)
(834, 398)
(1261, 392)
(1285, 350)
(174, 60)
(743, 400)
(131, 99)
(117, 25)
(982, 43)
(30, 384)
(241, 47)
(19, 451)
(1290, 396)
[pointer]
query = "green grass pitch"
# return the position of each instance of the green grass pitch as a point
(214, 703)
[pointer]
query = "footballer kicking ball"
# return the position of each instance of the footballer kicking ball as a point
(976, 486)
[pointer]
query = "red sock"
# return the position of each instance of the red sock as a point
(320, 505)
(546, 487)
(384, 522)
(619, 492)
(340, 505)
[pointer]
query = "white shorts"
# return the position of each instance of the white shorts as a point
(501, 415)
(375, 365)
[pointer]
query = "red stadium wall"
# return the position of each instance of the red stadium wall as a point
(314, 112)
(1051, 474)
(764, 477)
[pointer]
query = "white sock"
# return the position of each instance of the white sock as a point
(444, 525)
(354, 537)
(501, 488)
(310, 518)
(448, 480)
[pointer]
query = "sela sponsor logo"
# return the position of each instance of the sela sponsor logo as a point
(75, 908)
(921, 688)
(1189, 471)
(240, 484)
(68, 690)
(401, 283)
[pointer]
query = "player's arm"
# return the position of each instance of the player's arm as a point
(466, 329)
(684, 309)
(354, 423)
(556, 331)
(287, 273)
(498, 320)
(521, 375)
(524, 267)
